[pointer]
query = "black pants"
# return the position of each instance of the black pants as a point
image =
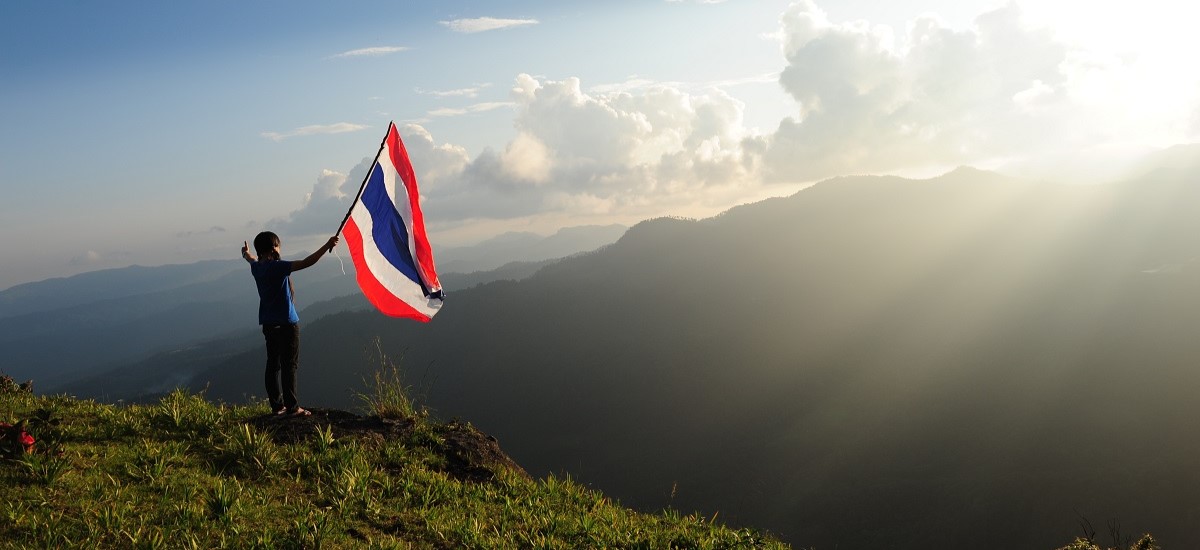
(283, 358)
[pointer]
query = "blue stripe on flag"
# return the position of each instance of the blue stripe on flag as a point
(388, 229)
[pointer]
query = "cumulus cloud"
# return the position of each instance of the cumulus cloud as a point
(481, 24)
(329, 199)
(592, 153)
(375, 51)
(323, 206)
(869, 100)
(318, 129)
(573, 154)
(946, 97)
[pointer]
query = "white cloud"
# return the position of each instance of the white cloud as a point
(339, 128)
(476, 108)
(436, 166)
(324, 205)
(576, 153)
(527, 159)
(635, 84)
(470, 92)
(89, 257)
(370, 52)
(868, 101)
(481, 24)
(943, 97)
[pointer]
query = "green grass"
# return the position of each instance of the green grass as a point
(187, 473)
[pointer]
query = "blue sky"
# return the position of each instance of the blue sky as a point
(168, 132)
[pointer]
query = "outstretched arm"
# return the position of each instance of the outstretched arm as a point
(312, 258)
(246, 255)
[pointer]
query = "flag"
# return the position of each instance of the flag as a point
(385, 233)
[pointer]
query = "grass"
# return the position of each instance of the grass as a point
(187, 473)
(388, 396)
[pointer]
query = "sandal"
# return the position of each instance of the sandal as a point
(298, 411)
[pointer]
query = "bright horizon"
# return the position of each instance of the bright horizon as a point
(149, 133)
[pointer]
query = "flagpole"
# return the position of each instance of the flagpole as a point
(364, 181)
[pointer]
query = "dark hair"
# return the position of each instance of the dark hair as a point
(264, 245)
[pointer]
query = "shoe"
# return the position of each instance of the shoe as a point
(299, 412)
(279, 410)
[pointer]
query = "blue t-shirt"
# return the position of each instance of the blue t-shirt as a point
(275, 305)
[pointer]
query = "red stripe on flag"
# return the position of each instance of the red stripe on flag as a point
(421, 243)
(379, 296)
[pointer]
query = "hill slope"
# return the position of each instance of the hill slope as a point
(186, 473)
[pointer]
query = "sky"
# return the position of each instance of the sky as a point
(157, 133)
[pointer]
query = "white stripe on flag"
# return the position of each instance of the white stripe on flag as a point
(397, 192)
(392, 279)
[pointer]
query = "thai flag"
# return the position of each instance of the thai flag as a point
(385, 232)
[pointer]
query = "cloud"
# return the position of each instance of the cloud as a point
(370, 52)
(470, 92)
(323, 206)
(636, 84)
(210, 231)
(476, 108)
(869, 100)
(481, 24)
(326, 204)
(89, 257)
(339, 128)
(578, 153)
(946, 97)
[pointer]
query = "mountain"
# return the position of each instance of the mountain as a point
(82, 323)
(527, 248)
(105, 284)
(57, 330)
(965, 361)
(149, 378)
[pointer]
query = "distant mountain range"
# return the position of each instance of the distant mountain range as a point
(964, 361)
(58, 329)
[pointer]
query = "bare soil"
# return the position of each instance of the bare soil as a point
(470, 454)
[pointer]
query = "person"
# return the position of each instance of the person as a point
(277, 315)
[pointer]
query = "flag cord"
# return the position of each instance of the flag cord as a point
(339, 260)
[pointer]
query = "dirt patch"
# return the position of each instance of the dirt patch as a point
(470, 454)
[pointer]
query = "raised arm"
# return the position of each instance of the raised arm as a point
(312, 258)
(246, 255)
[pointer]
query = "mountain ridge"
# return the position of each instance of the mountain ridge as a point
(852, 365)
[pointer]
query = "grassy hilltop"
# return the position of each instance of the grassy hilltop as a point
(188, 473)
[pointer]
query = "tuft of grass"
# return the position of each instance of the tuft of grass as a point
(223, 499)
(387, 395)
(250, 452)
